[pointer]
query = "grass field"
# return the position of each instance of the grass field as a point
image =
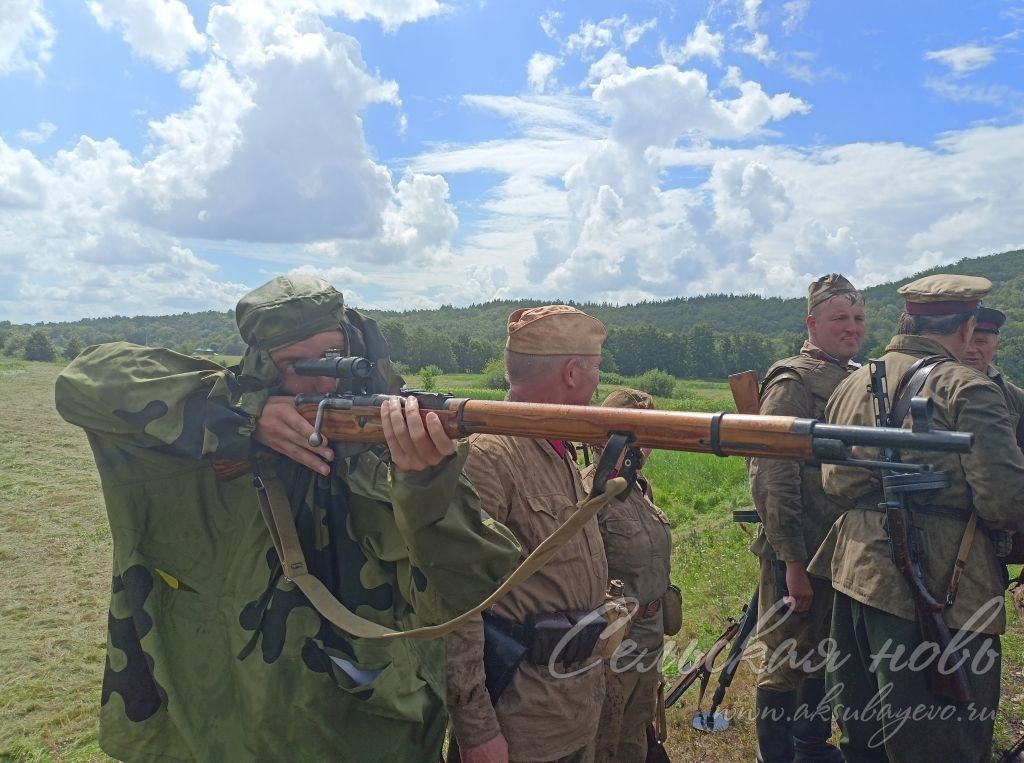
(55, 557)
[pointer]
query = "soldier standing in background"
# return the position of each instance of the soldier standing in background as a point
(212, 652)
(980, 355)
(552, 355)
(882, 701)
(794, 608)
(638, 543)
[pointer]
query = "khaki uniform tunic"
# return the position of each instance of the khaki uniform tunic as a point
(990, 478)
(638, 543)
(533, 490)
(795, 512)
(1014, 401)
(795, 517)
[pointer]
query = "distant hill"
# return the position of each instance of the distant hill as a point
(738, 329)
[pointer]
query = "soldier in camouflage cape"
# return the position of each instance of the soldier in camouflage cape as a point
(212, 654)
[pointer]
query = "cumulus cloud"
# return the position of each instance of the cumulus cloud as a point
(540, 71)
(271, 149)
(656, 106)
(26, 37)
(963, 59)
(701, 43)
(160, 30)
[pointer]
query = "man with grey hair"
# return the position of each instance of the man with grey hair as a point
(550, 709)
(980, 354)
(794, 609)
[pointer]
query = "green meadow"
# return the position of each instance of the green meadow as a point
(55, 562)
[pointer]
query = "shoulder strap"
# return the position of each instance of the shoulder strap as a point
(276, 511)
(910, 385)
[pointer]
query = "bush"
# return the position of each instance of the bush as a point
(656, 382)
(72, 349)
(428, 376)
(615, 380)
(494, 374)
(39, 347)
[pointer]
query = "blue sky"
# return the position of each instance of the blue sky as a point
(159, 156)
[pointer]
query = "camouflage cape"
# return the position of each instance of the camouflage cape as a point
(212, 654)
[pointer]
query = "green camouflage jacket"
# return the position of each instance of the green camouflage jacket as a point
(212, 654)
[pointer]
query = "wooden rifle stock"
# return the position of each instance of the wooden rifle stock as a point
(702, 668)
(358, 420)
(951, 686)
(745, 391)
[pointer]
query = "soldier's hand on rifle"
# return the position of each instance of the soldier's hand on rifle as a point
(799, 584)
(281, 427)
(415, 443)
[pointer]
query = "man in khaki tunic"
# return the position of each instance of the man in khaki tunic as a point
(980, 355)
(550, 710)
(795, 610)
(638, 543)
(880, 696)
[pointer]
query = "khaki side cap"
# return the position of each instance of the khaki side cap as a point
(554, 330)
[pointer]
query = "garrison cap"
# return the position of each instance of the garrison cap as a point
(944, 294)
(625, 397)
(554, 330)
(827, 287)
(990, 320)
(288, 309)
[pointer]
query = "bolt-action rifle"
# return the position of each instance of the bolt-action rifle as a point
(738, 632)
(352, 414)
(898, 481)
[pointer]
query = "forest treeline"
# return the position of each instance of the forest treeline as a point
(704, 337)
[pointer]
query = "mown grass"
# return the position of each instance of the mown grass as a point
(55, 557)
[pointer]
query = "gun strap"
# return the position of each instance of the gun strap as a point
(277, 513)
(910, 385)
(961, 558)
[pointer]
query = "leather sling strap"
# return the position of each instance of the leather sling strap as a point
(915, 378)
(276, 510)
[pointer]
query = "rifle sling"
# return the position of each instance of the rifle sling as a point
(277, 513)
(910, 385)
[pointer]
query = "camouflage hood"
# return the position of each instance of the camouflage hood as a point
(288, 309)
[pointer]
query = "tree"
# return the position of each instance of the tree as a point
(39, 347)
(72, 349)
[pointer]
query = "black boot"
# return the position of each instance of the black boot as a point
(775, 726)
(812, 726)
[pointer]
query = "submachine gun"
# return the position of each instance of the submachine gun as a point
(899, 482)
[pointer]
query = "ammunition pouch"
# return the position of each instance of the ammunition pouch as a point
(502, 655)
(542, 635)
(672, 607)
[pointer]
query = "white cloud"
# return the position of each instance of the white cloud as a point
(391, 14)
(160, 30)
(657, 106)
(610, 33)
(540, 71)
(760, 48)
(701, 43)
(794, 12)
(40, 134)
(270, 150)
(963, 59)
(26, 37)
